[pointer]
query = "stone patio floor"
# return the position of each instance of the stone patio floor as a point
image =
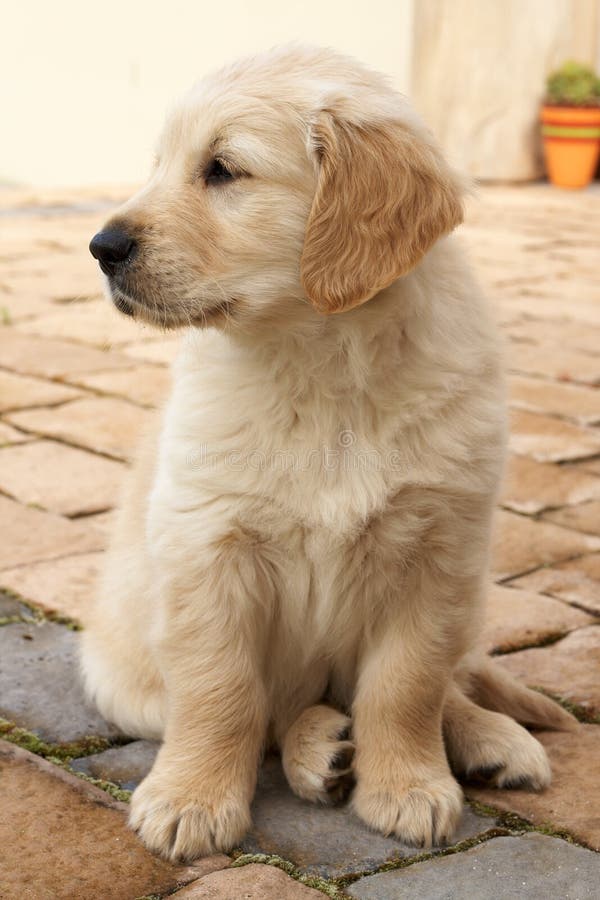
(77, 382)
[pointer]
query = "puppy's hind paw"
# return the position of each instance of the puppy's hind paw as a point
(527, 769)
(504, 755)
(317, 755)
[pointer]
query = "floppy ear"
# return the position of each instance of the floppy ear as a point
(384, 196)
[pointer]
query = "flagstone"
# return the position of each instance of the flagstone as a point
(125, 766)
(9, 436)
(521, 544)
(96, 322)
(251, 882)
(12, 608)
(567, 365)
(144, 384)
(325, 841)
(161, 351)
(543, 302)
(66, 585)
(591, 466)
(15, 306)
(33, 355)
(531, 486)
(29, 535)
(518, 618)
(584, 517)
(103, 523)
(22, 391)
(64, 839)
(42, 688)
(59, 478)
(569, 668)
(506, 867)
(571, 801)
(103, 424)
(550, 440)
(55, 275)
(576, 582)
(581, 404)
(554, 335)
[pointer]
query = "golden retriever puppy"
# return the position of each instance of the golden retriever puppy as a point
(301, 556)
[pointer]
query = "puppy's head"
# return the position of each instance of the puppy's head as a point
(289, 183)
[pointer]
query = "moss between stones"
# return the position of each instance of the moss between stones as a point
(516, 824)
(35, 615)
(11, 620)
(580, 712)
(71, 624)
(334, 888)
(62, 754)
(331, 888)
(404, 862)
(114, 790)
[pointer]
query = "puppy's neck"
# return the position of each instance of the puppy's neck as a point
(333, 355)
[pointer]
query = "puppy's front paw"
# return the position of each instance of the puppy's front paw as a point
(179, 822)
(423, 813)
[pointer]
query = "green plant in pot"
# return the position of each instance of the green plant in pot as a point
(571, 125)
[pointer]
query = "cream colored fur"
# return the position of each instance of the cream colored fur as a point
(304, 540)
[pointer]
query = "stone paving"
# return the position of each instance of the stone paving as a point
(78, 382)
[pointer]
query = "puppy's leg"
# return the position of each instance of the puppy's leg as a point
(317, 754)
(488, 685)
(120, 670)
(490, 745)
(196, 799)
(404, 783)
(427, 594)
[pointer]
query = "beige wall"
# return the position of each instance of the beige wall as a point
(479, 68)
(85, 85)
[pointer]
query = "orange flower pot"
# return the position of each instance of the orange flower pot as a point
(571, 144)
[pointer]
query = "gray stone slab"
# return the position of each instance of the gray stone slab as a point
(125, 766)
(326, 841)
(40, 685)
(506, 868)
(11, 607)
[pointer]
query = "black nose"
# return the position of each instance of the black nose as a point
(112, 247)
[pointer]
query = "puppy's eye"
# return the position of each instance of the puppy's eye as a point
(217, 172)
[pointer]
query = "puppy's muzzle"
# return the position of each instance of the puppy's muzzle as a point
(113, 248)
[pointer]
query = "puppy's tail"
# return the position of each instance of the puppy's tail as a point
(493, 688)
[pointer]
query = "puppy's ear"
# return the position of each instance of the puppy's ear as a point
(384, 196)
